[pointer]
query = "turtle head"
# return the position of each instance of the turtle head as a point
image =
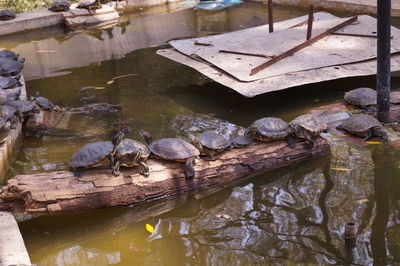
(118, 138)
(251, 131)
(146, 135)
(194, 141)
(37, 94)
(381, 133)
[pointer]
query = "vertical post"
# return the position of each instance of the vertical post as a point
(310, 22)
(270, 18)
(383, 67)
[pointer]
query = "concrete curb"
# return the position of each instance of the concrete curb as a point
(353, 6)
(12, 246)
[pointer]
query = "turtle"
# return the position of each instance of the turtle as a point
(210, 143)
(362, 97)
(10, 95)
(94, 154)
(44, 103)
(8, 54)
(10, 114)
(6, 14)
(241, 141)
(10, 67)
(173, 149)
(363, 125)
(9, 82)
(25, 107)
(4, 129)
(60, 5)
(132, 153)
(271, 129)
(308, 127)
(89, 4)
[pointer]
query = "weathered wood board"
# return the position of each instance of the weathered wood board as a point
(7, 149)
(61, 192)
(78, 17)
(330, 51)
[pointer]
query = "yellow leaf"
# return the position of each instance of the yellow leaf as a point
(149, 228)
(99, 88)
(345, 110)
(345, 135)
(374, 142)
(340, 169)
(110, 82)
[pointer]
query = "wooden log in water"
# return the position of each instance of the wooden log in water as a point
(60, 192)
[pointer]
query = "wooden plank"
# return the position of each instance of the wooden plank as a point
(301, 46)
(60, 192)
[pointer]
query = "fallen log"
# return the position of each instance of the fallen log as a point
(60, 192)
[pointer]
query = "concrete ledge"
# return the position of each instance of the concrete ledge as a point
(12, 246)
(353, 6)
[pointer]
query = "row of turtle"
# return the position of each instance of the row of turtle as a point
(60, 6)
(12, 107)
(129, 153)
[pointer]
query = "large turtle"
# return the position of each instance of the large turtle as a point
(132, 153)
(6, 14)
(271, 129)
(173, 149)
(210, 143)
(308, 127)
(10, 67)
(94, 154)
(363, 125)
(4, 129)
(89, 4)
(60, 5)
(10, 82)
(8, 54)
(362, 97)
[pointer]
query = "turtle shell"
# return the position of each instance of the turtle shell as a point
(308, 124)
(91, 154)
(130, 146)
(173, 149)
(87, 3)
(360, 124)
(60, 5)
(10, 67)
(8, 112)
(241, 141)
(8, 82)
(44, 102)
(8, 54)
(361, 97)
(269, 128)
(213, 140)
(23, 106)
(6, 14)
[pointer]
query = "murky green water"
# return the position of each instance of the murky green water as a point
(294, 215)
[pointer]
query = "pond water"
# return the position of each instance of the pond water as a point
(294, 215)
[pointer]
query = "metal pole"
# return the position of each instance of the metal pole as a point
(310, 22)
(270, 18)
(383, 67)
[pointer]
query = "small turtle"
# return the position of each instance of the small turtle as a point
(173, 149)
(210, 143)
(5, 127)
(308, 127)
(9, 82)
(363, 125)
(60, 5)
(89, 4)
(10, 67)
(94, 154)
(271, 129)
(132, 153)
(23, 106)
(8, 54)
(10, 114)
(6, 14)
(241, 141)
(44, 103)
(362, 97)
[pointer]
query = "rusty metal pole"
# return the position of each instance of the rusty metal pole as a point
(310, 22)
(383, 66)
(270, 18)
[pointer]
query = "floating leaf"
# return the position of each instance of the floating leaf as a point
(110, 82)
(99, 88)
(361, 201)
(340, 169)
(374, 142)
(149, 228)
(345, 135)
